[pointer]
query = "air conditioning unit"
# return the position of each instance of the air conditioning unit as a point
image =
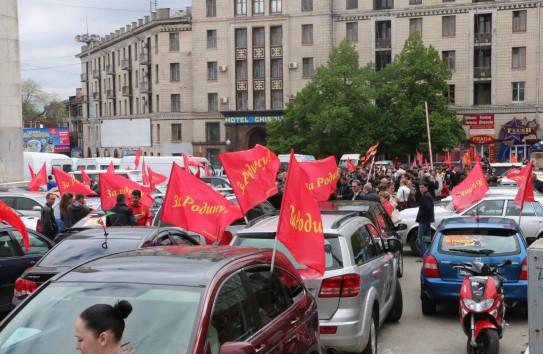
(224, 100)
(223, 68)
(293, 65)
(291, 96)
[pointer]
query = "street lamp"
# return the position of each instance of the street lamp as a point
(88, 39)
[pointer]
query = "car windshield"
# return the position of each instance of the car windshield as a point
(74, 251)
(331, 248)
(163, 318)
(479, 241)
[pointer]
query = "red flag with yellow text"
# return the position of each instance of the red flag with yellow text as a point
(67, 183)
(155, 178)
(39, 179)
(252, 175)
(526, 190)
(111, 185)
(193, 205)
(470, 190)
(323, 176)
(350, 165)
(84, 176)
(516, 175)
(300, 224)
(9, 216)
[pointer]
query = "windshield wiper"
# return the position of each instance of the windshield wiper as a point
(484, 251)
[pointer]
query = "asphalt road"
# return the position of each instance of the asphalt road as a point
(441, 333)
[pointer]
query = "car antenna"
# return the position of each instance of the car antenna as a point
(101, 222)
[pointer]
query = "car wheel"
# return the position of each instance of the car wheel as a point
(397, 307)
(399, 270)
(414, 243)
(371, 347)
(428, 305)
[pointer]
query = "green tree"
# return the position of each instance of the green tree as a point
(36, 102)
(417, 75)
(333, 114)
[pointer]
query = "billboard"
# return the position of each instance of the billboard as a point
(46, 140)
(130, 132)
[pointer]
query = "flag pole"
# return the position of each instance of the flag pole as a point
(428, 130)
(273, 254)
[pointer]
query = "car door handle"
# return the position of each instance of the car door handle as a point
(260, 348)
(32, 262)
(294, 320)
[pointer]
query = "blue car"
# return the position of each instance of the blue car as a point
(466, 239)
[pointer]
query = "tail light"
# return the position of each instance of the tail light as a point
(431, 269)
(341, 286)
(24, 287)
(524, 270)
(328, 329)
(38, 226)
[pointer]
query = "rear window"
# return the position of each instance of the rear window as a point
(477, 242)
(332, 250)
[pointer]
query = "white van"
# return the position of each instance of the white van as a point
(163, 164)
(285, 159)
(355, 158)
(98, 163)
(36, 160)
(133, 175)
(501, 168)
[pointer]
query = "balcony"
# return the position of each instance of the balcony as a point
(96, 96)
(483, 38)
(110, 94)
(383, 43)
(127, 91)
(110, 69)
(84, 77)
(83, 99)
(482, 72)
(145, 59)
(126, 64)
(96, 74)
(145, 87)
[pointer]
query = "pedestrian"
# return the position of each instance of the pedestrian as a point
(100, 327)
(356, 186)
(384, 198)
(48, 223)
(344, 190)
(140, 211)
(402, 195)
(50, 183)
(369, 194)
(425, 217)
(65, 201)
(120, 214)
(77, 210)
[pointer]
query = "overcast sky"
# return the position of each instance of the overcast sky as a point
(47, 29)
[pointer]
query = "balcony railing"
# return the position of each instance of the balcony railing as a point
(126, 64)
(482, 72)
(127, 91)
(383, 43)
(110, 69)
(110, 94)
(96, 96)
(96, 74)
(145, 59)
(145, 87)
(483, 38)
(84, 77)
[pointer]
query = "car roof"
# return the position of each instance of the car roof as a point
(116, 232)
(177, 265)
(348, 205)
(485, 222)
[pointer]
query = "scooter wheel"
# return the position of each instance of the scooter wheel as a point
(488, 342)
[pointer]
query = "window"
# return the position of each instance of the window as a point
(307, 34)
(519, 57)
(363, 246)
(157, 130)
(519, 21)
(450, 94)
(241, 8)
(176, 102)
(37, 245)
(383, 4)
(276, 6)
(449, 58)
(352, 32)
(176, 132)
(241, 69)
(514, 210)
(7, 248)
(276, 35)
(415, 2)
(307, 67)
(277, 99)
(415, 25)
(487, 208)
(259, 69)
(174, 41)
(156, 73)
(518, 91)
(212, 101)
(213, 132)
(212, 70)
(269, 294)
(258, 7)
(260, 100)
(174, 72)
(26, 204)
(448, 26)
(211, 8)
(352, 4)
(211, 39)
(241, 37)
(258, 37)
(307, 5)
(241, 101)
(277, 68)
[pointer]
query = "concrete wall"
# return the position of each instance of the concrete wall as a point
(11, 149)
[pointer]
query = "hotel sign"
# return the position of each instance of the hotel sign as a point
(250, 119)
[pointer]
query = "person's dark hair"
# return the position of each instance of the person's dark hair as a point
(79, 196)
(50, 177)
(103, 317)
(423, 183)
(121, 198)
(136, 192)
(65, 200)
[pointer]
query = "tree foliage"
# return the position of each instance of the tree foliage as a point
(37, 103)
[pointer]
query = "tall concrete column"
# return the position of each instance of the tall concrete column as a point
(11, 121)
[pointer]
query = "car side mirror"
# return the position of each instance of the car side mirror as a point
(237, 348)
(394, 245)
(401, 227)
(36, 208)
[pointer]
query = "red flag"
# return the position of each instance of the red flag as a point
(206, 169)
(369, 154)
(516, 175)
(526, 190)
(449, 161)
(419, 156)
(137, 159)
(470, 190)
(252, 174)
(67, 183)
(193, 205)
(155, 178)
(84, 175)
(477, 156)
(514, 158)
(300, 223)
(145, 180)
(323, 175)
(200, 151)
(426, 164)
(350, 165)
(39, 179)
(111, 185)
(191, 161)
(128, 168)
(110, 168)
(466, 159)
(32, 174)
(414, 162)
(8, 215)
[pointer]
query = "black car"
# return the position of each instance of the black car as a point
(15, 259)
(92, 243)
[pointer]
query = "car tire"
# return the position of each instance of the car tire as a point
(396, 310)
(371, 346)
(413, 242)
(428, 305)
(399, 270)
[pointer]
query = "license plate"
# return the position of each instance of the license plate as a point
(462, 273)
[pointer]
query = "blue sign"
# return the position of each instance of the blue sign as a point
(251, 119)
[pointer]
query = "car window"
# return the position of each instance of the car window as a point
(477, 242)
(26, 204)
(376, 237)
(7, 248)
(514, 210)
(363, 246)
(163, 240)
(232, 319)
(37, 245)
(538, 209)
(383, 219)
(9, 201)
(269, 294)
(293, 287)
(487, 208)
(182, 239)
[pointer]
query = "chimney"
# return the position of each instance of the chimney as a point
(128, 28)
(147, 18)
(163, 14)
(140, 21)
(134, 24)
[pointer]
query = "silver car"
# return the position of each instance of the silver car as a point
(359, 289)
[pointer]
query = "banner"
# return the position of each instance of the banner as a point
(155, 178)
(323, 175)
(350, 165)
(526, 190)
(470, 190)
(39, 179)
(9, 216)
(111, 185)
(67, 183)
(369, 154)
(46, 140)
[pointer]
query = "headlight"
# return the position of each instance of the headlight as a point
(478, 306)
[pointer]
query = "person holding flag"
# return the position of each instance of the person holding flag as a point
(141, 212)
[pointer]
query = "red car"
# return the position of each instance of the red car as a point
(199, 300)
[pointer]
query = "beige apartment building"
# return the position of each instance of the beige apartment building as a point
(241, 61)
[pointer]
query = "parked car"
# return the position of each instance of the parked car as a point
(14, 259)
(466, 239)
(220, 183)
(31, 204)
(196, 300)
(359, 289)
(497, 202)
(92, 243)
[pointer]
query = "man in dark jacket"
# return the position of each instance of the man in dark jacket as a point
(425, 217)
(369, 194)
(77, 211)
(344, 190)
(120, 214)
(48, 223)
